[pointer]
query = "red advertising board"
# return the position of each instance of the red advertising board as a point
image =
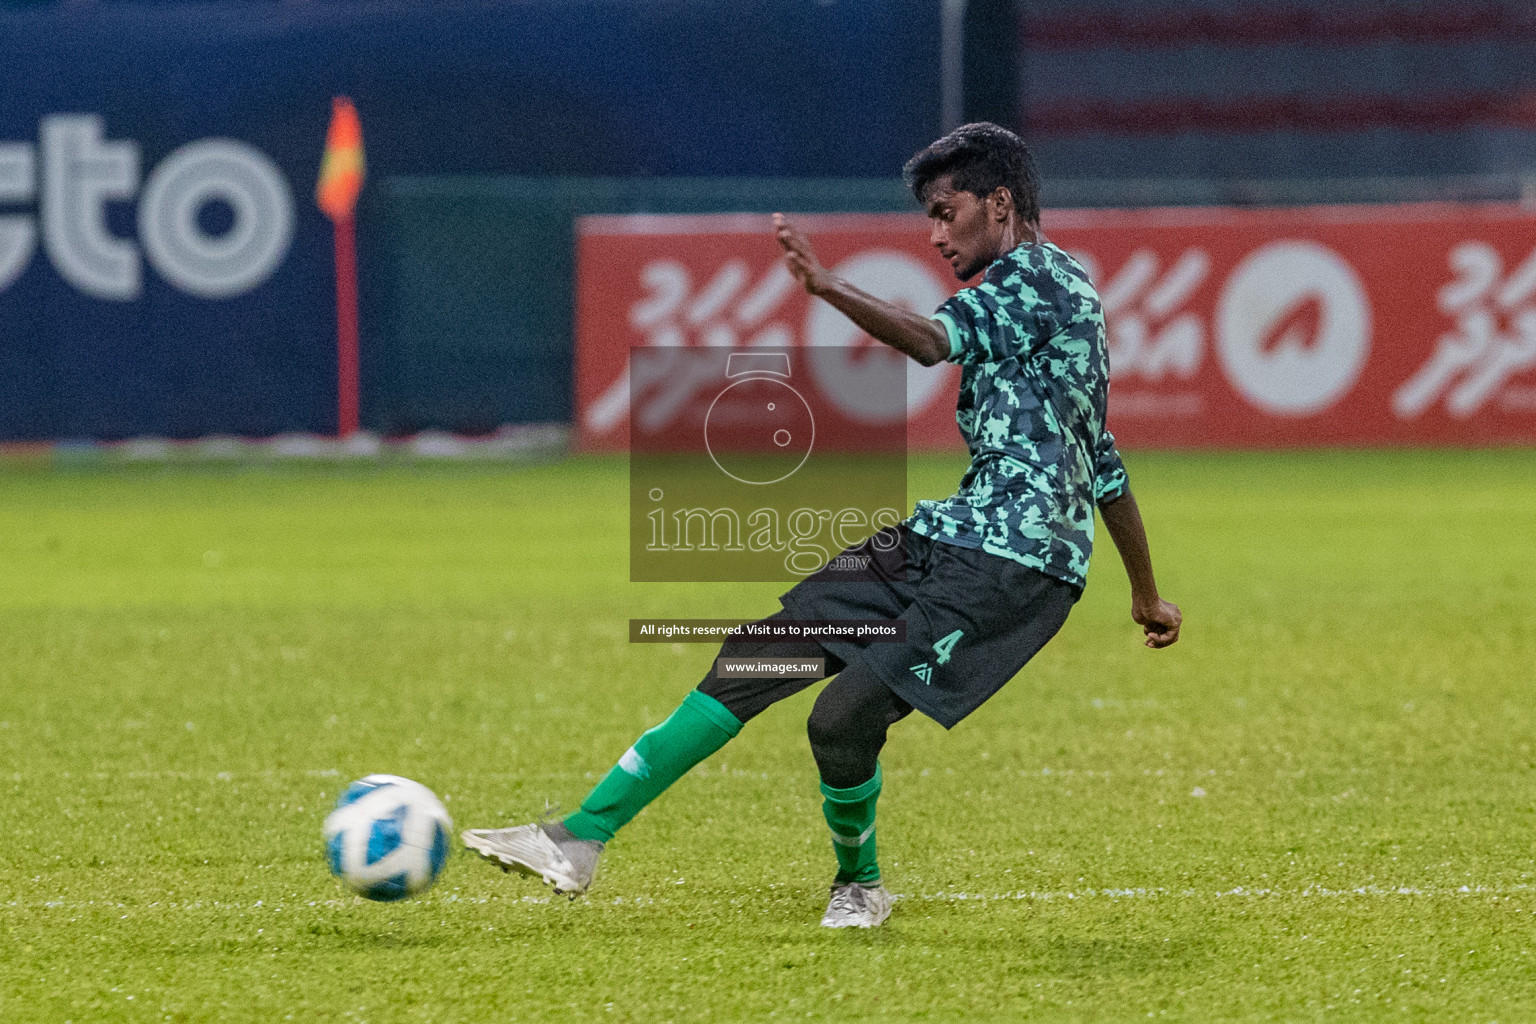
(1231, 328)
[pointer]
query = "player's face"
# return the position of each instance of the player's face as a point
(966, 228)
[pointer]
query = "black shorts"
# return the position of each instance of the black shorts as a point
(973, 619)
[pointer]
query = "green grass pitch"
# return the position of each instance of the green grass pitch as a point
(1318, 806)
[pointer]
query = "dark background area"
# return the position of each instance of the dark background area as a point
(488, 125)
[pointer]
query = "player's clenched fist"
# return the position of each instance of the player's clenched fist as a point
(1160, 621)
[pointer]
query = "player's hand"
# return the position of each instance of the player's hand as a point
(1159, 619)
(799, 256)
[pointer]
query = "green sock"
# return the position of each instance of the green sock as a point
(851, 817)
(700, 726)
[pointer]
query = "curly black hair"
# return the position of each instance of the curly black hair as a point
(979, 158)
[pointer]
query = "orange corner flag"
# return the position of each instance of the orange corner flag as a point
(341, 169)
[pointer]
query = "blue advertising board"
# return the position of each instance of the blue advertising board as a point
(163, 267)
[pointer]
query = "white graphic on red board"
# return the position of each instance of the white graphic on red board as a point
(1151, 332)
(1293, 328)
(1493, 340)
(1228, 328)
(728, 310)
(731, 309)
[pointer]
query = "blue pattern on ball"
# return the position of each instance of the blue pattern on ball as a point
(439, 849)
(384, 837)
(356, 791)
(387, 891)
(333, 853)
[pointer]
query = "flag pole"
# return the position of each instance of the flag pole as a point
(346, 328)
(341, 179)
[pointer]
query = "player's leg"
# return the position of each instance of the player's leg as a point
(707, 719)
(847, 728)
(565, 853)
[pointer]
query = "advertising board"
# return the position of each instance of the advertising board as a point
(1227, 328)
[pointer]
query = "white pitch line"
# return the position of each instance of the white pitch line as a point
(1239, 892)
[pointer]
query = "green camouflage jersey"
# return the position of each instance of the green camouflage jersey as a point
(1033, 388)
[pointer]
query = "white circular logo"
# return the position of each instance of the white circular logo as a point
(860, 384)
(216, 266)
(1293, 328)
(759, 430)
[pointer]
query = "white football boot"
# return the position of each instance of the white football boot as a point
(857, 906)
(546, 851)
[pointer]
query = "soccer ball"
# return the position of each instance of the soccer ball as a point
(387, 838)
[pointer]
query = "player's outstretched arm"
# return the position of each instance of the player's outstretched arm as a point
(1159, 619)
(902, 329)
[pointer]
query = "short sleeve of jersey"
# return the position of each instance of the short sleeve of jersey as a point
(1109, 479)
(984, 323)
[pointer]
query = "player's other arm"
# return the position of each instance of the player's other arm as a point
(1158, 618)
(906, 331)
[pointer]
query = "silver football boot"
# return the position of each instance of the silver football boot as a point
(546, 850)
(857, 906)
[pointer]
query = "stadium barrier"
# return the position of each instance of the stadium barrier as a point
(519, 444)
(467, 318)
(472, 288)
(1412, 324)
(164, 270)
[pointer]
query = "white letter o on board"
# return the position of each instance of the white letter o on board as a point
(216, 266)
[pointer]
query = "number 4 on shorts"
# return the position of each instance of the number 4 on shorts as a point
(946, 646)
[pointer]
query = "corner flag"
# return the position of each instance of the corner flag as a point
(341, 179)
(341, 169)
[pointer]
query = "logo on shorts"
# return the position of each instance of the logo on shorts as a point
(945, 647)
(923, 671)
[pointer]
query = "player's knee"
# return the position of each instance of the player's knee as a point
(831, 727)
(844, 744)
(819, 730)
